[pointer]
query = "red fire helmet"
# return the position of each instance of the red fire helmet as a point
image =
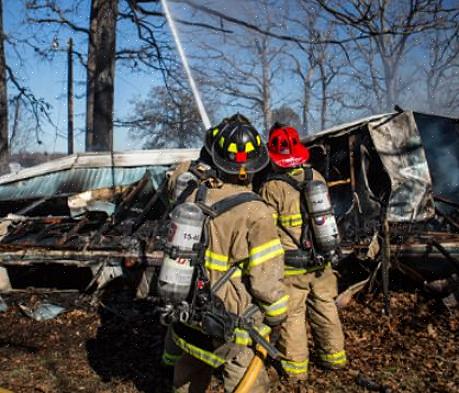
(285, 148)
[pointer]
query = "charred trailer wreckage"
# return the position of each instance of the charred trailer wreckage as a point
(81, 222)
(394, 183)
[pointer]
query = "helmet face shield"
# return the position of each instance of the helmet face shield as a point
(238, 149)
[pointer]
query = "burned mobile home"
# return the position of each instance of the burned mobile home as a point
(84, 220)
(394, 183)
(78, 222)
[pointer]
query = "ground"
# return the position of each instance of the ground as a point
(91, 349)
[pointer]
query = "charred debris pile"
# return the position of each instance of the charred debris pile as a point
(79, 222)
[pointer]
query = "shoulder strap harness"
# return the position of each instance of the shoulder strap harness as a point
(300, 186)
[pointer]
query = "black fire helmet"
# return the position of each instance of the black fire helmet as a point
(239, 150)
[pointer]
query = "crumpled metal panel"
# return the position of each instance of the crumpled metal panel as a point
(400, 148)
(77, 180)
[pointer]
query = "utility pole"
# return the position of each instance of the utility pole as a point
(70, 97)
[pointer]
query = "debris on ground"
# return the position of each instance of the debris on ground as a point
(3, 305)
(42, 311)
(117, 348)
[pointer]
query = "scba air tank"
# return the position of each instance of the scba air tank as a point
(182, 183)
(176, 275)
(323, 219)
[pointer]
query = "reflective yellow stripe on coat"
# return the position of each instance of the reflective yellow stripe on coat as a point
(277, 308)
(170, 359)
(291, 220)
(242, 337)
(201, 354)
(265, 252)
(219, 262)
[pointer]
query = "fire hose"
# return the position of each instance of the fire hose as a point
(253, 370)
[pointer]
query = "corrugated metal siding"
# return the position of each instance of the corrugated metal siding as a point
(77, 180)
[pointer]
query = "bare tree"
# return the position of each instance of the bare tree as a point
(101, 75)
(4, 153)
(316, 65)
(14, 90)
(165, 119)
(245, 65)
(286, 115)
(441, 69)
(139, 18)
(390, 28)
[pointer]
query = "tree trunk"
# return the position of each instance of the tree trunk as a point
(90, 72)
(324, 103)
(306, 103)
(4, 152)
(101, 72)
(267, 113)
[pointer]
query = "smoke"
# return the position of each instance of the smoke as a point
(440, 137)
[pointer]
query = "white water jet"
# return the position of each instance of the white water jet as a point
(194, 88)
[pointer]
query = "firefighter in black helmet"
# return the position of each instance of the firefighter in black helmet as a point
(238, 150)
(243, 236)
(203, 167)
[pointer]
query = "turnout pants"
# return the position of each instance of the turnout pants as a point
(193, 376)
(311, 296)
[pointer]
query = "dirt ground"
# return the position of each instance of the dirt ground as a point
(93, 350)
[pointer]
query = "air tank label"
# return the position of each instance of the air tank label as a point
(183, 235)
(177, 271)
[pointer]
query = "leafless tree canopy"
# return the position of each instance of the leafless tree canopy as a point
(324, 61)
(166, 118)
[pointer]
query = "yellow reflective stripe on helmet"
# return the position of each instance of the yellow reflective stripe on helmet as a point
(214, 261)
(249, 147)
(292, 367)
(265, 252)
(215, 131)
(221, 141)
(205, 356)
(291, 220)
(169, 359)
(232, 148)
(277, 308)
(258, 140)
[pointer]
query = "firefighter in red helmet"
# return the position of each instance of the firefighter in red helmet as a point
(309, 279)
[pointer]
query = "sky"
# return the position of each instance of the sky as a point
(47, 79)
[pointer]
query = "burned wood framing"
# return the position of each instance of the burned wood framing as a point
(395, 198)
(387, 175)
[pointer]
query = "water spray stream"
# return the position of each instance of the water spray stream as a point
(194, 88)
